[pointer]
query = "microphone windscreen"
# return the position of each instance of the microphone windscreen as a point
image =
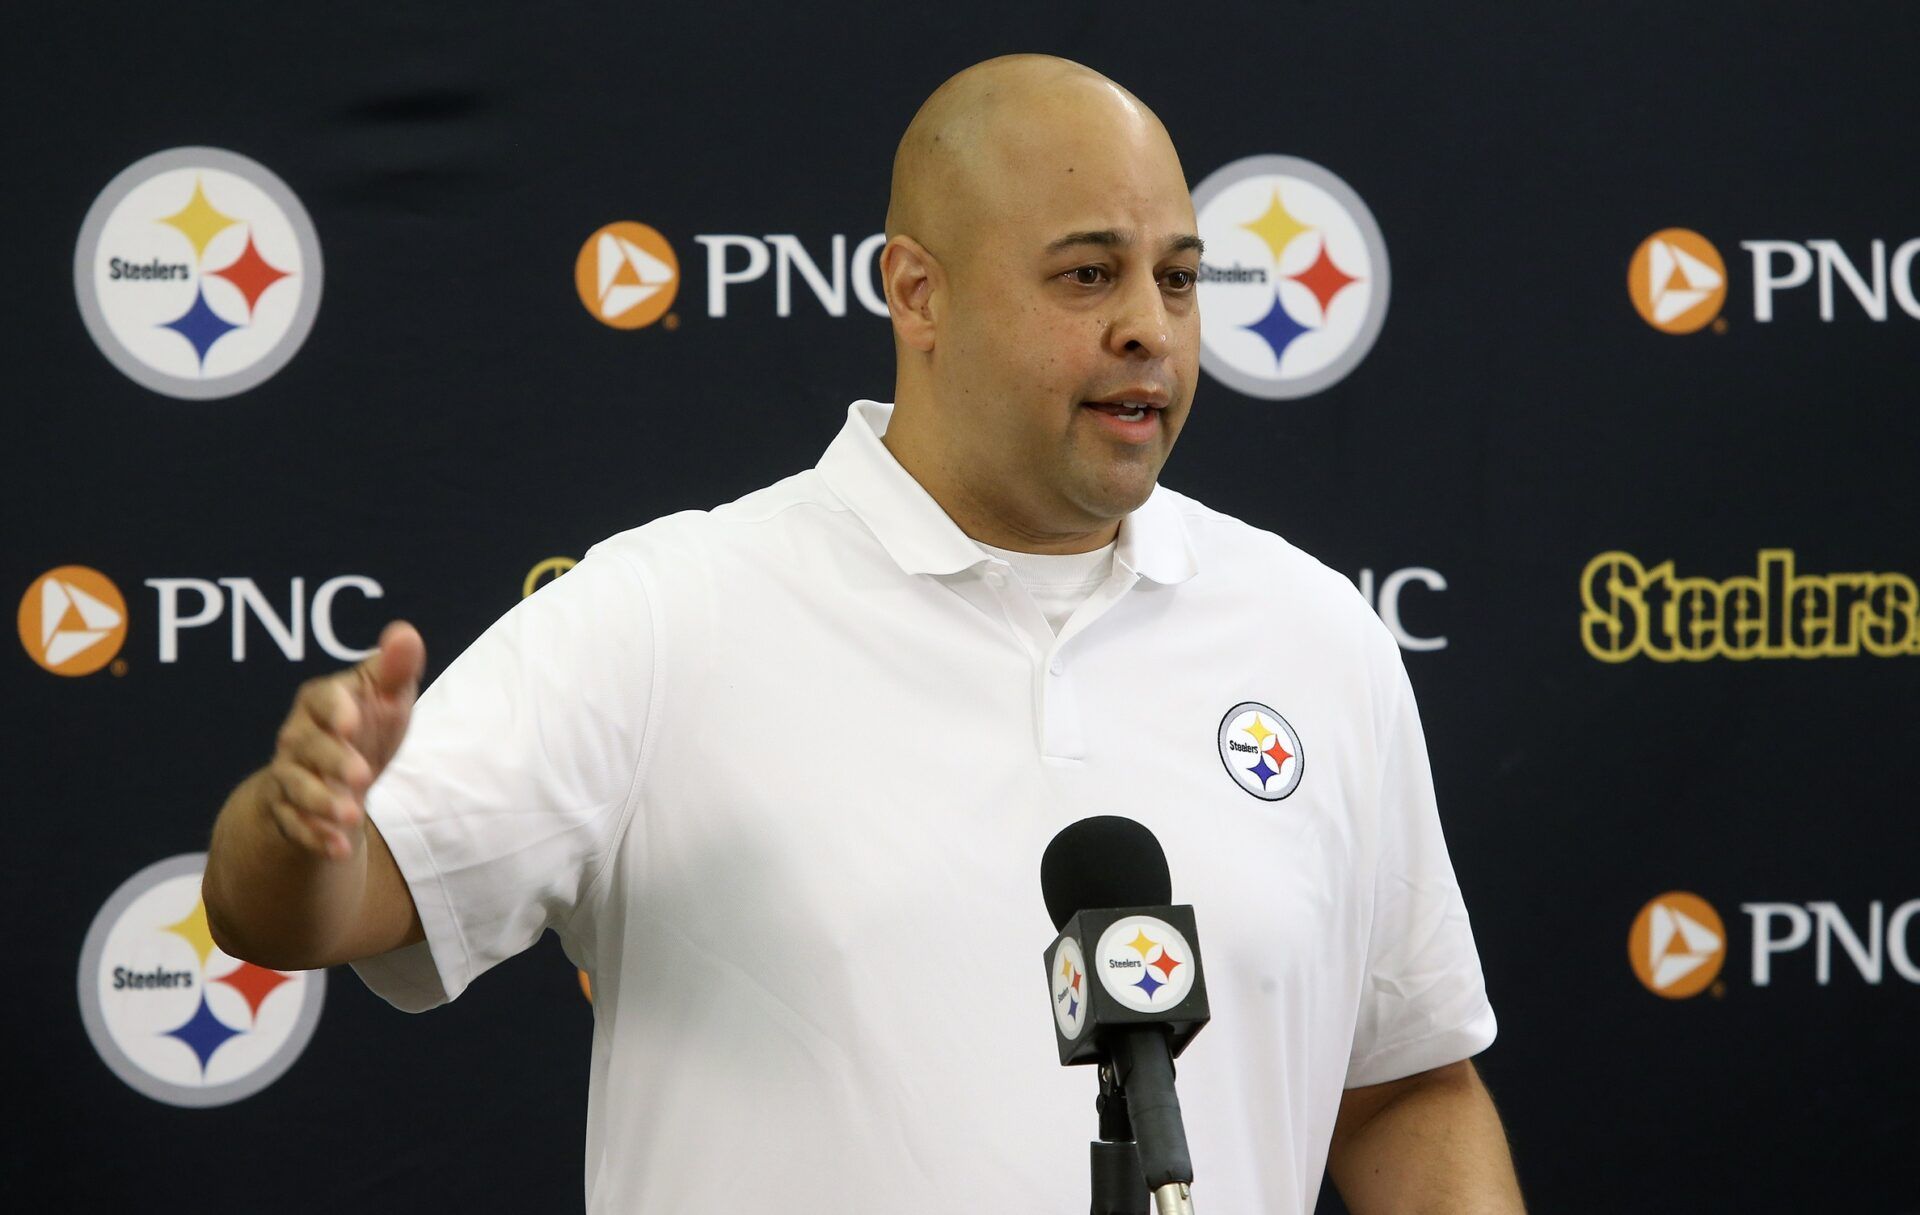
(1105, 861)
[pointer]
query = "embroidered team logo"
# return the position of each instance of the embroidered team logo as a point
(1261, 751)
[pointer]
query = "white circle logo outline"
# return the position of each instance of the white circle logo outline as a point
(1119, 943)
(1223, 323)
(94, 1017)
(1072, 1023)
(296, 231)
(1230, 726)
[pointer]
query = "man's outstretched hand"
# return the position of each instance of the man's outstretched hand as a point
(341, 734)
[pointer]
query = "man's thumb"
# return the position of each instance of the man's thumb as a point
(396, 667)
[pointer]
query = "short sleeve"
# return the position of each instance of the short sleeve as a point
(1423, 1000)
(516, 777)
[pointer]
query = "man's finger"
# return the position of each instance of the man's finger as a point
(329, 703)
(329, 757)
(328, 804)
(305, 833)
(395, 667)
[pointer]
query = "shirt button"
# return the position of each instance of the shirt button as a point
(1058, 667)
(995, 578)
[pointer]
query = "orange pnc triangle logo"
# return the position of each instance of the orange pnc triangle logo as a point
(1677, 945)
(627, 275)
(1677, 281)
(73, 620)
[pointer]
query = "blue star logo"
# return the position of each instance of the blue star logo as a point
(1277, 328)
(201, 326)
(203, 1033)
(1261, 772)
(1149, 984)
(1073, 1008)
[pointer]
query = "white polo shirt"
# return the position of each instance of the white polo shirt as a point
(779, 776)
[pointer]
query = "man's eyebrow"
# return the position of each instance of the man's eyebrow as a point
(1107, 238)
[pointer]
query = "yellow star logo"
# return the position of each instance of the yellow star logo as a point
(1259, 731)
(199, 222)
(1142, 943)
(194, 931)
(1276, 226)
(1066, 967)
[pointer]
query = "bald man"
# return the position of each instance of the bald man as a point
(778, 774)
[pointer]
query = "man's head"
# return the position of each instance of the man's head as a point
(1040, 269)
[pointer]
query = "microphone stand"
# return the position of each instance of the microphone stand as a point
(1119, 1187)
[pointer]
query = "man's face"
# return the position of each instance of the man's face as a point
(1071, 345)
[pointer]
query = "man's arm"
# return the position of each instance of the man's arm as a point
(1428, 1144)
(298, 877)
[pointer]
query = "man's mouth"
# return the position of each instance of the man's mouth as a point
(1127, 408)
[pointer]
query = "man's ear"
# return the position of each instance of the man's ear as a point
(912, 279)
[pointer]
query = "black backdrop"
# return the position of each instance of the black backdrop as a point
(457, 415)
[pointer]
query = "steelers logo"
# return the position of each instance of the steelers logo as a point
(197, 273)
(1261, 751)
(172, 1014)
(1067, 973)
(1145, 963)
(1293, 290)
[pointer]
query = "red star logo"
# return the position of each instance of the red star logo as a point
(1323, 278)
(251, 273)
(1277, 753)
(1166, 965)
(254, 983)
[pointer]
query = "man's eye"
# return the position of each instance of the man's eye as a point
(1087, 276)
(1180, 280)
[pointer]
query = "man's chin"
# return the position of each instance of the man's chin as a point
(1113, 497)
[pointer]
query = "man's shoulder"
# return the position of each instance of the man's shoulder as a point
(1231, 548)
(766, 517)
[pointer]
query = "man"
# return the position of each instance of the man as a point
(779, 775)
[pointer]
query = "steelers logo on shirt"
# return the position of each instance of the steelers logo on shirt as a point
(1261, 751)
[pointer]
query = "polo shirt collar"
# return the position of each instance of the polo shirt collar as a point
(923, 539)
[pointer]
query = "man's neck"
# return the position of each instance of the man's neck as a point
(988, 522)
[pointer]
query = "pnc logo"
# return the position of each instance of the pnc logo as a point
(627, 275)
(73, 620)
(1677, 945)
(1294, 288)
(197, 273)
(1677, 281)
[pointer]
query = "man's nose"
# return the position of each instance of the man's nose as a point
(1140, 325)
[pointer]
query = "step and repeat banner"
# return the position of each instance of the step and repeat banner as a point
(1585, 342)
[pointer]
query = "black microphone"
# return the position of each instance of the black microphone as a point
(1126, 982)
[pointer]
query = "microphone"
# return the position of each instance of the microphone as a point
(1125, 978)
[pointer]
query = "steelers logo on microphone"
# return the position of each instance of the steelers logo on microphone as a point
(1261, 752)
(1145, 963)
(1069, 975)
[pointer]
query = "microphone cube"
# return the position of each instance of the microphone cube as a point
(1124, 967)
